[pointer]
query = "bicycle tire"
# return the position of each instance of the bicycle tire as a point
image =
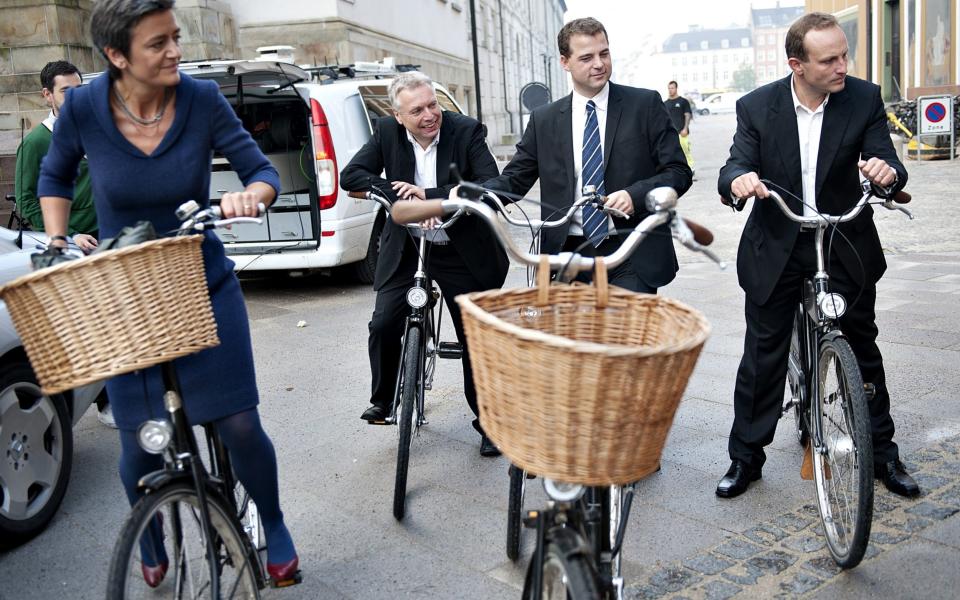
(796, 382)
(408, 394)
(177, 504)
(843, 469)
(515, 511)
(566, 573)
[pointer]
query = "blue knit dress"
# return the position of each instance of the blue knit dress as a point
(130, 186)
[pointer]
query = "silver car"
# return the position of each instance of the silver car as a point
(36, 431)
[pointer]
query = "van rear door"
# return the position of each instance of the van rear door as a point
(277, 114)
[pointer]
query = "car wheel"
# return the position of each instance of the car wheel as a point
(36, 453)
(367, 267)
(704, 111)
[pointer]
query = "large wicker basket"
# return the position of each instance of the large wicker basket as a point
(113, 313)
(580, 383)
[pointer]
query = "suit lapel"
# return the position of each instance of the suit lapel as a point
(564, 129)
(614, 109)
(836, 116)
(445, 154)
(406, 162)
(783, 122)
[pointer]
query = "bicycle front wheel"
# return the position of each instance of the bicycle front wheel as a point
(164, 528)
(409, 388)
(566, 573)
(843, 464)
(515, 511)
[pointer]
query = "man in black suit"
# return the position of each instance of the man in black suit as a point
(813, 133)
(416, 147)
(638, 150)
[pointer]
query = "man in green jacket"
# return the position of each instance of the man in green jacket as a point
(56, 78)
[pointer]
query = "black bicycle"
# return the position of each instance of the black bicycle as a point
(580, 533)
(196, 520)
(418, 358)
(829, 401)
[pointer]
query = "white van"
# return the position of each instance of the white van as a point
(724, 102)
(309, 122)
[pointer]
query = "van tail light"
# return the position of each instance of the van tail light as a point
(326, 157)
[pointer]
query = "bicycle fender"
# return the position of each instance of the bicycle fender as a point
(154, 481)
(836, 334)
(568, 541)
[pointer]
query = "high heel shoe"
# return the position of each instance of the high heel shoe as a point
(286, 573)
(153, 576)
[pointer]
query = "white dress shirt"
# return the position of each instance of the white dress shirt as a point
(579, 121)
(809, 126)
(426, 177)
(50, 121)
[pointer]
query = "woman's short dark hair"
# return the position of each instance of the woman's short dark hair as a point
(587, 26)
(793, 44)
(112, 23)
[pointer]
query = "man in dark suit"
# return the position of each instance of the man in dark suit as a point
(616, 136)
(416, 147)
(813, 133)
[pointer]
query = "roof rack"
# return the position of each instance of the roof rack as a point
(372, 70)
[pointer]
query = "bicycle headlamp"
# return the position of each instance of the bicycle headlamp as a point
(832, 305)
(561, 491)
(155, 435)
(417, 297)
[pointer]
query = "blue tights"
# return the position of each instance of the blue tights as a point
(255, 463)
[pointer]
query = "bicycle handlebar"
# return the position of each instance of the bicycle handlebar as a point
(660, 201)
(379, 199)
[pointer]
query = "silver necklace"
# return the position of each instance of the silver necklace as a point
(145, 122)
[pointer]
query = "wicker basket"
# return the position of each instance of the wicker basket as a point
(580, 383)
(114, 312)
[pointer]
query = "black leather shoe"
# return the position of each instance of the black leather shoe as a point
(376, 415)
(737, 479)
(896, 479)
(487, 448)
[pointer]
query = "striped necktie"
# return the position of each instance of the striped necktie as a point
(595, 226)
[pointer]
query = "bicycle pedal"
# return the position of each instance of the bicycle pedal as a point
(870, 391)
(450, 350)
(531, 518)
(297, 578)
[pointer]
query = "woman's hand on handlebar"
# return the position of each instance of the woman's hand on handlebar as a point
(240, 204)
(85, 242)
(748, 185)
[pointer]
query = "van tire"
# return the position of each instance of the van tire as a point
(367, 267)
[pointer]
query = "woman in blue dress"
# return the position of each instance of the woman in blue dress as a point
(149, 133)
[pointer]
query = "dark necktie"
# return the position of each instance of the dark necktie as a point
(595, 226)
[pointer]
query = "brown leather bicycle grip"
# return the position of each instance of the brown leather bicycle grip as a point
(415, 211)
(902, 197)
(701, 234)
(358, 195)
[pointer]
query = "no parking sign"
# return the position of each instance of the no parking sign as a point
(935, 114)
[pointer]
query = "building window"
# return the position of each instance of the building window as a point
(744, 42)
(772, 39)
(704, 45)
(694, 77)
(683, 46)
(726, 75)
(724, 43)
(674, 61)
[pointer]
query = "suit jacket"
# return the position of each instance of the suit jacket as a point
(767, 142)
(462, 141)
(641, 151)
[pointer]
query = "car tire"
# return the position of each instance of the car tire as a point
(365, 270)
(36, 454)
(704, 111)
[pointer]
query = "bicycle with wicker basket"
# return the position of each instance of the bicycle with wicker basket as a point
(595, 422)
(201, 516)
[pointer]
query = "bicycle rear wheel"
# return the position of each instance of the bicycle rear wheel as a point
(566, 573)
(515, 511)
(843, 466)
(168, 523)
(409, 389)
(796, 390)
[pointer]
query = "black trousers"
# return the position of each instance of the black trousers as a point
(761, 378)
(623, 275)
(445, 267)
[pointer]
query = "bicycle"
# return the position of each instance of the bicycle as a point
(579, 536)
(826, 394)
(418, 357)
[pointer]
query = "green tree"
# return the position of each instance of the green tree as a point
(744, 79)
